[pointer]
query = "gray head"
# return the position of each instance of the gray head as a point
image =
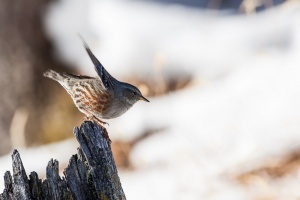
(132, 94)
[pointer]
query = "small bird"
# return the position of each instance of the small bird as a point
(101, 97)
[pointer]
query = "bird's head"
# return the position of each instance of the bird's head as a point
(132, 94)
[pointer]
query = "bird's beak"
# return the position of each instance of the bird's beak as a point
(144, 99)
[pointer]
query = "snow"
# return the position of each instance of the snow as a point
(242, 108)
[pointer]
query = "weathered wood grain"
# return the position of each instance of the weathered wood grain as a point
(91, 173)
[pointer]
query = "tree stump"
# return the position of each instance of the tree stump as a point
(91, 173)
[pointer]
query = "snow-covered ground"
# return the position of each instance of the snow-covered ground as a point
(241, 108)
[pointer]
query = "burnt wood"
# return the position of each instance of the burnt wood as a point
(91, 173)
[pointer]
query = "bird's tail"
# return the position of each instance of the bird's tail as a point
(55, 75)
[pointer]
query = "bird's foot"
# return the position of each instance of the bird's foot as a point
(87, 118)
(95, 119)
(104, 123)
(100, 123)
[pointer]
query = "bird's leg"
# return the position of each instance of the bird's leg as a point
(93, 118)
(101, 123)
(104, 123)
(87, 118)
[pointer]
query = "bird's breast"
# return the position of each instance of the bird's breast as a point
(115, 109)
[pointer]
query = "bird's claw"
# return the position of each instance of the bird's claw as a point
(104, 123)
(100, 123)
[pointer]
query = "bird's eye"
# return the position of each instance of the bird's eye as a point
(134, 93)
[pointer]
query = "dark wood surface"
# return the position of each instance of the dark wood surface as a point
(91, 173)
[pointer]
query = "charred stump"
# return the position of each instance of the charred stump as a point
(91, 173)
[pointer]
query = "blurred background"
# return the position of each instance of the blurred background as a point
(222, 77)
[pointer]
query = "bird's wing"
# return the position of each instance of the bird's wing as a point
(105, 77)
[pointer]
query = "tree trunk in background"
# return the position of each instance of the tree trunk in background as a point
(25, 53)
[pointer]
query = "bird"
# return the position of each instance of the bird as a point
(100, 97)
